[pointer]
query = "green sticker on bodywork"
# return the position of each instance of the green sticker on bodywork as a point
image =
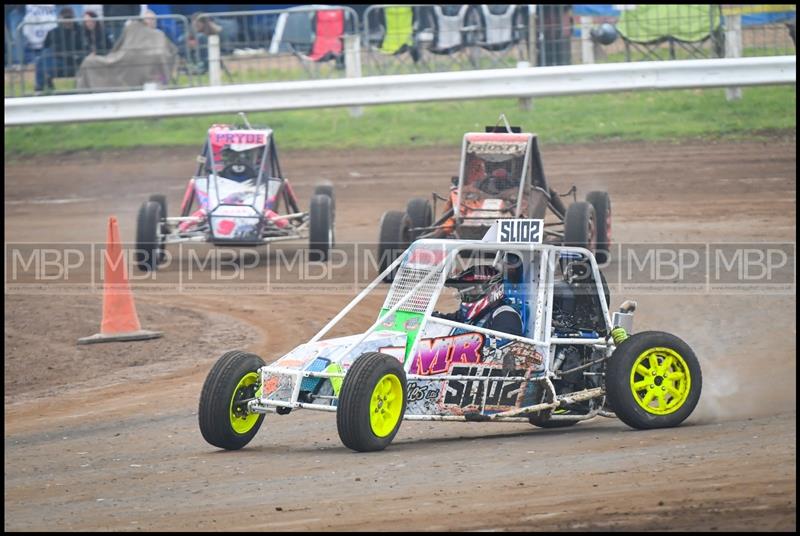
(336, 383)
(404, 321)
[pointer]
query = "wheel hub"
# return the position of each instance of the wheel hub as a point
(660, 381)
(386, 405)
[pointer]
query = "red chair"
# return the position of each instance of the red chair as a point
(329, 31)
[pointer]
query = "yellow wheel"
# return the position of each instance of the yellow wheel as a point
(224, 419)
(242, 421)
(372, 402)
(660, 380)
(386, 405)
(653, 380)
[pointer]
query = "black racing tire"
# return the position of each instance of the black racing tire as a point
(326, 188)
(149, 239)
(225, 423)
(394, 239)
(161, 200)
(420, 213)
(580, 228)
(368, 419)
(321, 238)
(542, 420)
(624, 372)
(601, 202)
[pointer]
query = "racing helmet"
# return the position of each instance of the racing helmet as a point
(238, 166)
(500, 174)
(239, 161)
(478, 282)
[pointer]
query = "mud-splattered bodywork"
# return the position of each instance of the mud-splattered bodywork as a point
(447, 363)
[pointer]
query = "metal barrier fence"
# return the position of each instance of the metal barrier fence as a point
(321, 42)
(426, 87)
(654, 32)
(121, 53)
(279, 44)
(432, 38)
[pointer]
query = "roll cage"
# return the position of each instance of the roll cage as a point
(269, 163)
(422, 274)
(532, 178)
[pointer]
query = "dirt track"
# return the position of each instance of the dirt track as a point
(126, 454)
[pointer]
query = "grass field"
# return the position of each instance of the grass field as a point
(648, 116)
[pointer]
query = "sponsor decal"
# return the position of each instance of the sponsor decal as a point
(418, 392)
(435, 356)
(225, 227)
(249, 138)
(388, 322)
(523, 354)
(411, 324)
(464, 393)
(290, 362)
(497, 147)
(270, 385)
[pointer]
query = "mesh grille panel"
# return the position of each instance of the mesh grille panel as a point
(408, 277)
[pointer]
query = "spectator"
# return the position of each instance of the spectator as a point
(197, 42)
(114, 27)
(94, 34)
(141, 55)
(150, 19)
(62, 52)
(14, 13)
(97, 8)
(38, 20)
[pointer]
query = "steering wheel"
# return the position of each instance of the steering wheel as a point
(247, 173)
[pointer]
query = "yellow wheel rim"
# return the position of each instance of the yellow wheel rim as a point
(660, 381)
(242, 421)
(385, 405)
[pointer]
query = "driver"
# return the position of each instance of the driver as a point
(497, 181)
(483, 299)
(237, 166)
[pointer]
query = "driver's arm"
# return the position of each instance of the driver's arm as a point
(506, 319)
(447, 316)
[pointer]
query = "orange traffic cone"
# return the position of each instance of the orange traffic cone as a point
(120, 321)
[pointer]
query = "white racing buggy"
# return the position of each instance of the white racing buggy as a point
(532, 340)
(238, 197)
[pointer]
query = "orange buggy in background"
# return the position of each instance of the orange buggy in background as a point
(501, 176)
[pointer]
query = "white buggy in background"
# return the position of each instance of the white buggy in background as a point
(572, 362)
(237, 197)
